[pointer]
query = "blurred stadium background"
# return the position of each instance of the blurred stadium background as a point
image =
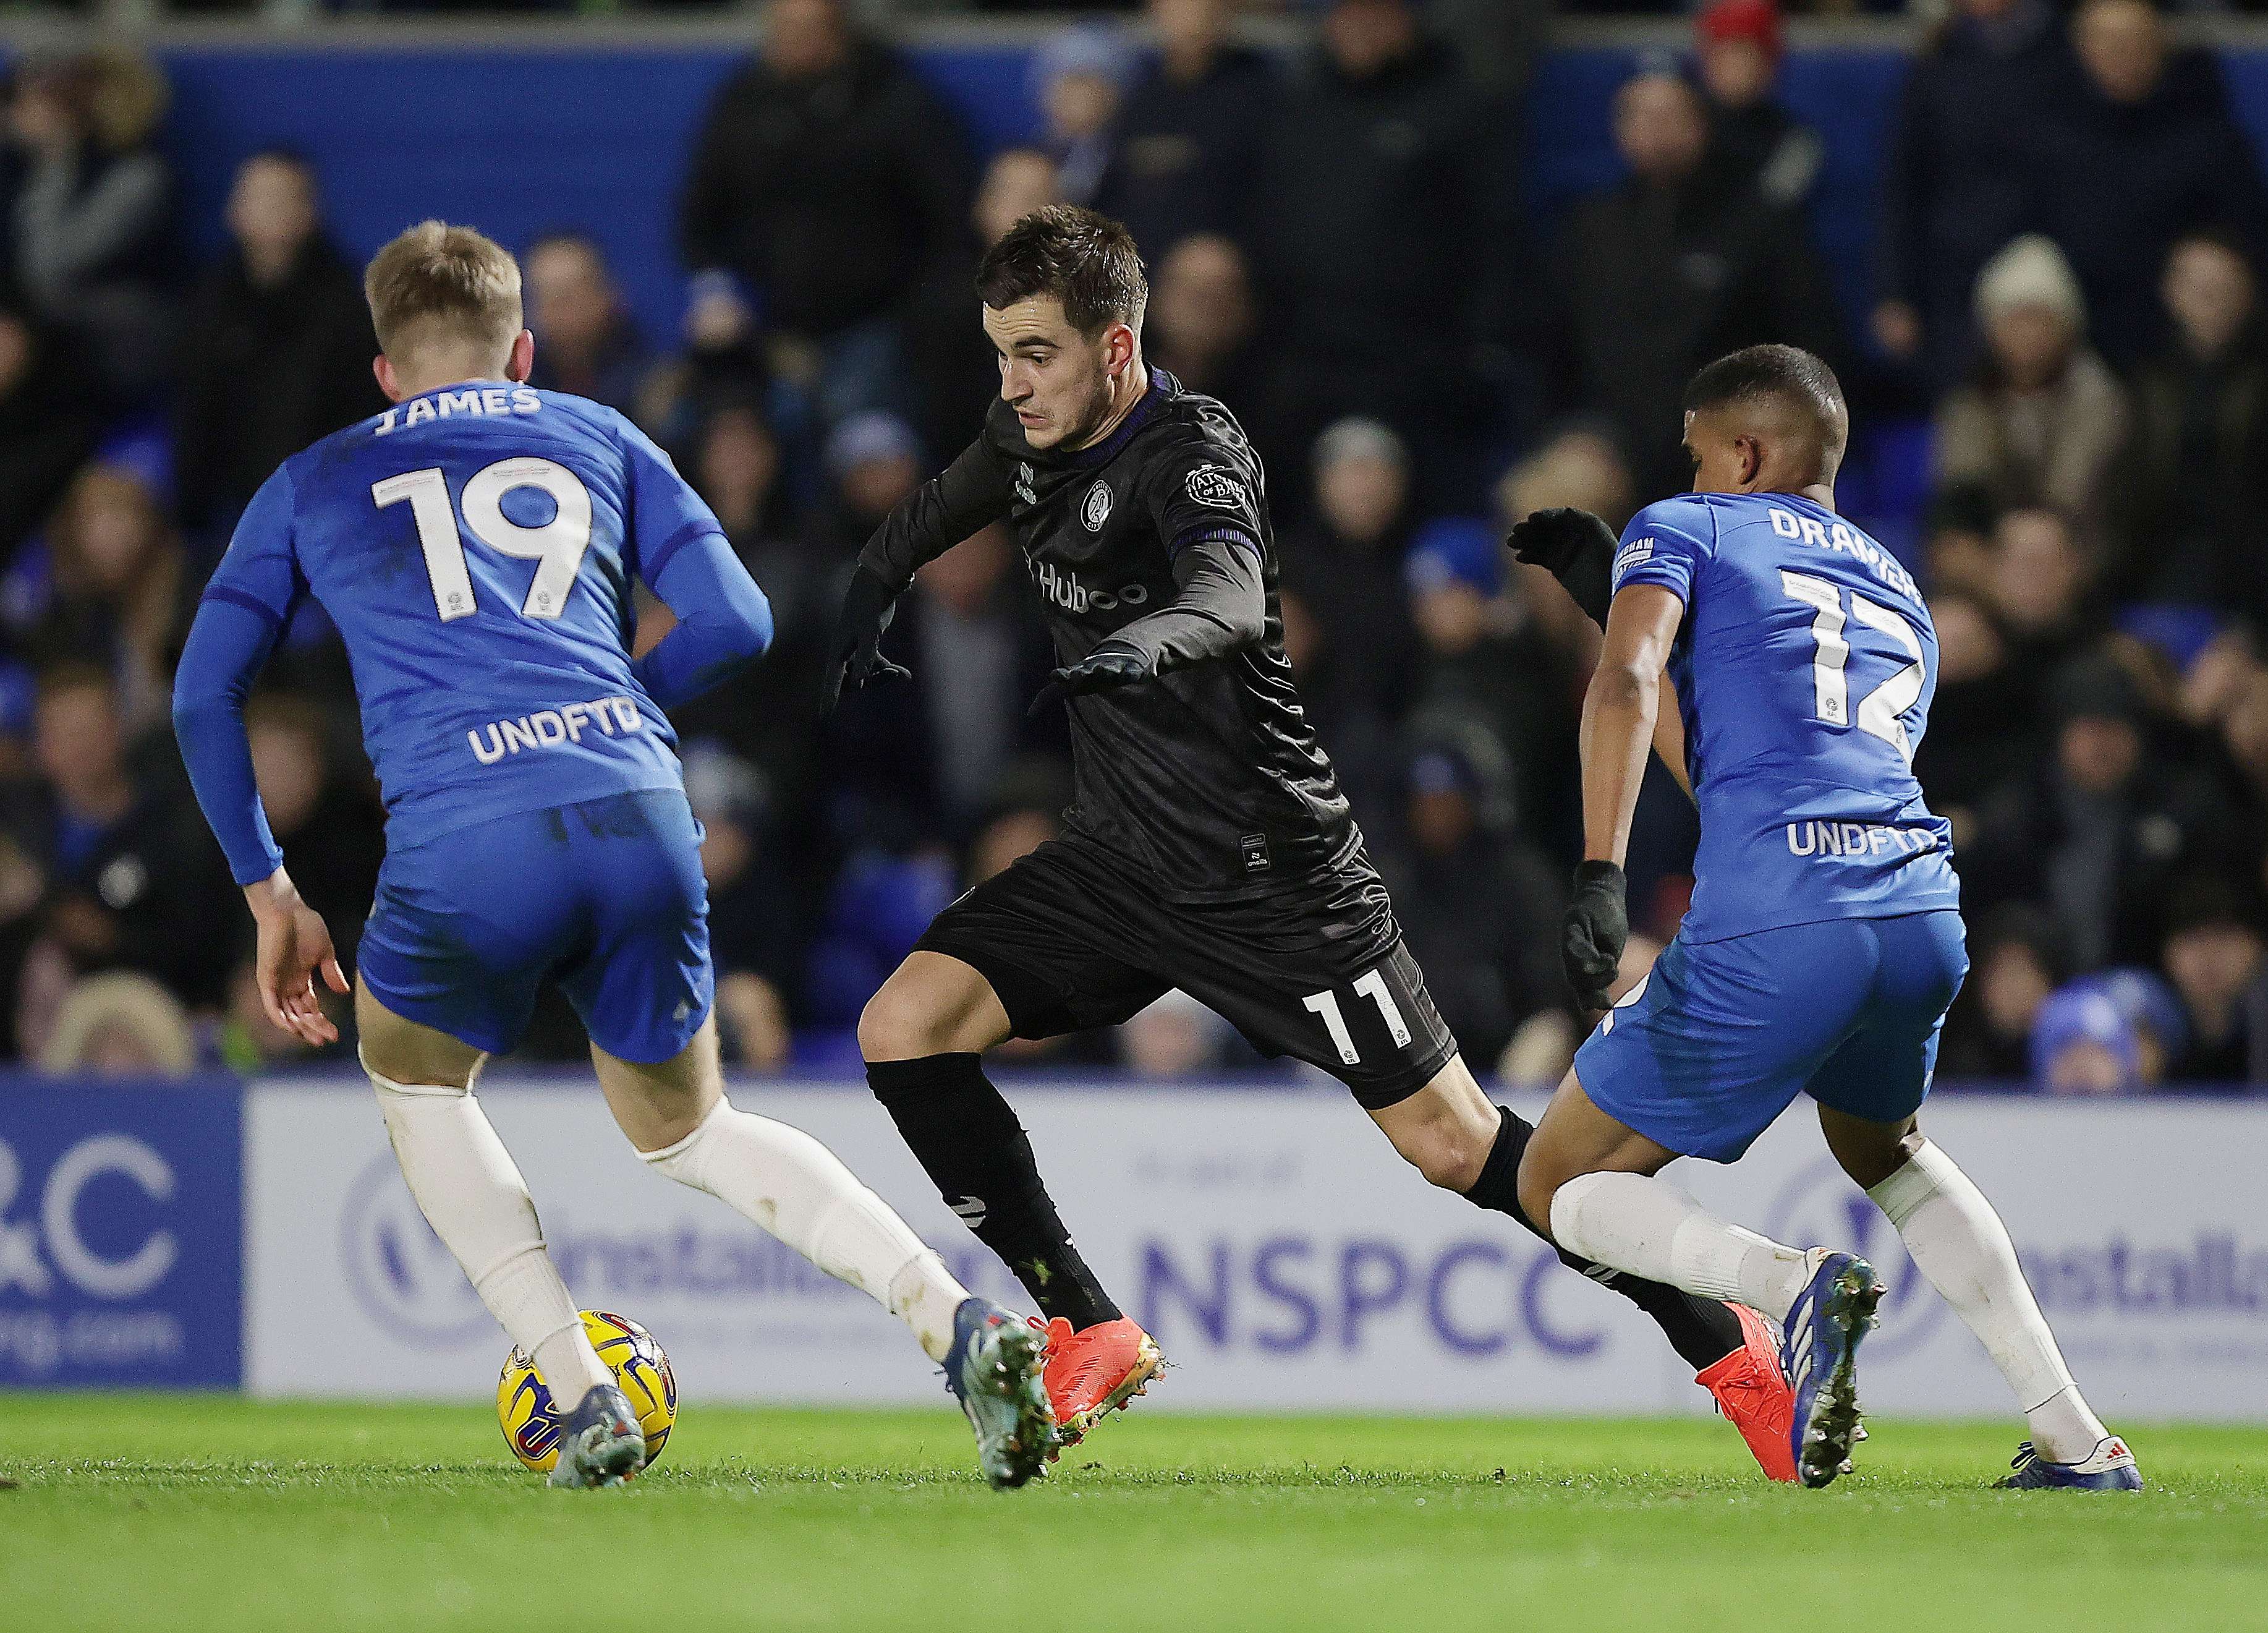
(1450, 261)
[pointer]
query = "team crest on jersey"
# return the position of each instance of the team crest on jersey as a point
(1096, 510)
(1218, 486)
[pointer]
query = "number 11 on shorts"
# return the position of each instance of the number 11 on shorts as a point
(1372, 987)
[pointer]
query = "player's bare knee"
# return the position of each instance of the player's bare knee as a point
(902, 1022)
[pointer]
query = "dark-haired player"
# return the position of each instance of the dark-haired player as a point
(1824, 941)
(1210, 848)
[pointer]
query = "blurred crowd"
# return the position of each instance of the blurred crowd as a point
(2062, 386)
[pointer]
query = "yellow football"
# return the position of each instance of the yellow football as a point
(530, 1419)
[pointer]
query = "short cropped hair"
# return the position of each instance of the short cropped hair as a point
(1081, 257)
(1787, 374)
(443, 285)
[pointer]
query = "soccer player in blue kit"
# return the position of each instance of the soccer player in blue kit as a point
(475, 546)
(1824, 942)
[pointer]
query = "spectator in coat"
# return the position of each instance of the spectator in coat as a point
(1381, 218)
(1345, 562)
(1962, 174)
(1188, 135)
(1750, 131)
(50, 418)
(118, 592)
(2218, 962)
(277, 349)
(2017, 961)
(825, 179)
(1679, 264)
(2144, 149)
(93, 220)
(2103, 830)
(585, 339)
(326, 819)
(1078, 77)
(955, 372)
(2189, 494)
(136, 884)
(2043, 416)
(1480, 908)
(1202, 324)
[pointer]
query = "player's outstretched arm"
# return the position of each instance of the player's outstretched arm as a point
(1222, 608)
(971, 495)
(724, 622)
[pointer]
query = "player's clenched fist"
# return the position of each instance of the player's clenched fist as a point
(1101, 670)
(1574, 547)
(857, 656)
(1590, 940)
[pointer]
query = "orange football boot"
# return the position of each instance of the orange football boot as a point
(1096, 1371)
(1752, 1391)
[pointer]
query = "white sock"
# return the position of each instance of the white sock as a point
(1961, 1246)
(796, 1188)
(1650, 1228)
(472, 1194)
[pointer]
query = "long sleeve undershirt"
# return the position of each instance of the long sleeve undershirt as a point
(1222, 606)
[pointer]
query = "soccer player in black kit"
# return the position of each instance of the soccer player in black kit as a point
(1210, 847)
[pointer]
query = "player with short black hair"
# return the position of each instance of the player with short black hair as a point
(475, 546)
(1824, 942)
(1210, 847)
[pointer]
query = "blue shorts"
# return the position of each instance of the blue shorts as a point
(1721, 1036)
(605, 897)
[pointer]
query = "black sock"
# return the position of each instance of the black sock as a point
(976, 1152)
(1701, 1330)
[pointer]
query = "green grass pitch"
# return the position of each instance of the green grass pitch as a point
(174, 1513)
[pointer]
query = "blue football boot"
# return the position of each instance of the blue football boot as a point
(2109, 1468)
(994, 1370)
(1818, 1351)
(601, 1444)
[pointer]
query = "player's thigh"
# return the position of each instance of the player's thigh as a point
(404, 1051)
(1721, 1036)
(450, 950)
(659, 1103)
(1880, 1075)
(640, 977)
(1059, 941)
(1322, 977)
(1577, 1136)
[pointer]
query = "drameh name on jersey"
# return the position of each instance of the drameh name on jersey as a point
(1804, 666)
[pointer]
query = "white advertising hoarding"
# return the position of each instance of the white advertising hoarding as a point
(1280, 1251)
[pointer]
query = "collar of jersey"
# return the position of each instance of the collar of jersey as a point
(461, 385)
(1162, 385)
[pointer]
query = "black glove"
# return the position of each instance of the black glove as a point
(1590, 938)
(856, 657)
(1577, 549)
(1104, 669)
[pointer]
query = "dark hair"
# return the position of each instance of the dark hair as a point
(1788, 374)
(1085, 260)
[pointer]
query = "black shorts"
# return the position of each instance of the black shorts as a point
(1069, 938)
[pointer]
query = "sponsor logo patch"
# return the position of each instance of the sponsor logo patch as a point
(1630, 555)
(1216, 485)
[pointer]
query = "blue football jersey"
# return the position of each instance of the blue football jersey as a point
(1804, 668)
(475, 547)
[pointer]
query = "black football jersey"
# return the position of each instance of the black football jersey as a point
(1207, 778)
